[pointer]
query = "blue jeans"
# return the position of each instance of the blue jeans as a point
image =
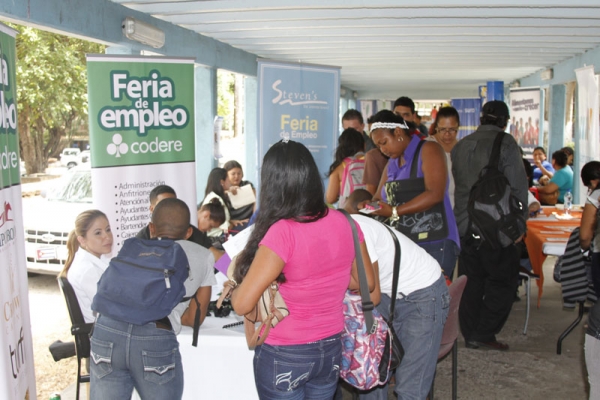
(445, 253)
(419, 322)
(304, 371)
(124, 356)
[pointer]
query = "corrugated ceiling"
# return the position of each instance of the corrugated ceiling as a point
(432, 50)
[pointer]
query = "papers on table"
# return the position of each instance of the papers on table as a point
(563, 216)
(542, 217)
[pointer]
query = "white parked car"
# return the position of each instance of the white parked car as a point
(71, 157)
(49, 219)
(85, 156)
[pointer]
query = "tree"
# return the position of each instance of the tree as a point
(51, 91)
(225, 97)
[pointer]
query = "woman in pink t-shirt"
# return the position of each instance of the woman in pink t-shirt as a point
(309, 250)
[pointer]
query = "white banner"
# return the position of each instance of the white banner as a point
(142, 130)
(17, 375)
(588, 136)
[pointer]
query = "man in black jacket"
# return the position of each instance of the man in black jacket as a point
(492, 273)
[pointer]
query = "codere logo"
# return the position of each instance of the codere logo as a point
(118, 147)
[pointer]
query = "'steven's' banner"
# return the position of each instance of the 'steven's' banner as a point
(141, 135)
(17, 376)
(525, 118)
(468, 111)
(588, 137)
(301, 103)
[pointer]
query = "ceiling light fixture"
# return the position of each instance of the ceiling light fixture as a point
(547, 74)
(142, 32)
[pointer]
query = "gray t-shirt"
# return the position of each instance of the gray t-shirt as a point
(202, 274)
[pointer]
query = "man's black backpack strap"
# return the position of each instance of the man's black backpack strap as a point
(495, 156)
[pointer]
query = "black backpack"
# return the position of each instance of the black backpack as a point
(495, 214)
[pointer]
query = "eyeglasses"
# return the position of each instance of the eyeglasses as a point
(452, 131)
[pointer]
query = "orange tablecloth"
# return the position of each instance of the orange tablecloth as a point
(538, 233)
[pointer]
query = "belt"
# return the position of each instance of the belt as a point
(164, 323)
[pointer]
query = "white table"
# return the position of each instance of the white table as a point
(220, 368)
(554, 248)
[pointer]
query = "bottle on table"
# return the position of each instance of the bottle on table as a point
(568, 202)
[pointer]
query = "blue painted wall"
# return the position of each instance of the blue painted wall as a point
(565, 71)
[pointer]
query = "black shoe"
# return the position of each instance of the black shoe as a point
(491, 345)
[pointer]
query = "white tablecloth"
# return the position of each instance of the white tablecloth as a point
(554, 248)
(220, 368)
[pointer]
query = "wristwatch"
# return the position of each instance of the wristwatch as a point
(394, 216)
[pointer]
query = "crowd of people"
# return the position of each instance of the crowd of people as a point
(417, 182)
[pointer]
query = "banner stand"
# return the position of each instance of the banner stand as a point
(17, 375)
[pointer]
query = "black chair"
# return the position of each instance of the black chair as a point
(79, 329)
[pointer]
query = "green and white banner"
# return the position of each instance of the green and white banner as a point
(141, 135)
(17, 375)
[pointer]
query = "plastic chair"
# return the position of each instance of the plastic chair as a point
(527, 276)
(79, 329)
(450, 334)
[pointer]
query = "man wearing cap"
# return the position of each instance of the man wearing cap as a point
(492, 273)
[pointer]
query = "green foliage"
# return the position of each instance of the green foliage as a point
(51, 87)
(225, 97)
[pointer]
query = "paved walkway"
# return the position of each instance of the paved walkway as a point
(530, 370)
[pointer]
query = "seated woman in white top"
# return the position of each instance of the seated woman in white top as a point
(87, 243)
(216, 186)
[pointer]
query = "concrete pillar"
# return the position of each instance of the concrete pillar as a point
(558, 101)
(578, 197)
(252, 171)
(542, 115)
(205, 80)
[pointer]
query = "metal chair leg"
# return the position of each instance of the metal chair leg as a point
(571, 327)
(528, 303)
(78, 378)
(455, 370)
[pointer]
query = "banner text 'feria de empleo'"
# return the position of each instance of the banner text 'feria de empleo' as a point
(299, 102)
(141, 112)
